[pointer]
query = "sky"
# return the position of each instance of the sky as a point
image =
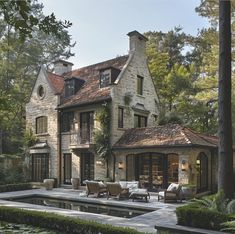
(100, 26)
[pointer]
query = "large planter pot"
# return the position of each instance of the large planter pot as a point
(189, 192)
(48, 183)
(75, 183)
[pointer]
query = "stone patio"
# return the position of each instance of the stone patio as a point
(162, 214)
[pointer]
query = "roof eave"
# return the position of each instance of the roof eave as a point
(84, 104)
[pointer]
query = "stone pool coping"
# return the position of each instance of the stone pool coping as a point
(162, 214)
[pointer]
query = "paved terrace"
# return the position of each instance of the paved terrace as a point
(162, 215)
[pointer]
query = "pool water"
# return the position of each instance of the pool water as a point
(83, 206)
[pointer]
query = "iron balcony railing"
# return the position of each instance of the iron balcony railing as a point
(77, 138)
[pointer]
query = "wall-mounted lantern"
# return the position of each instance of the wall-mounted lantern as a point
(184, 165)
(99, 162)
(120, 165)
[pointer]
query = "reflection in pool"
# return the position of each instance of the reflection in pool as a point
(83, 206)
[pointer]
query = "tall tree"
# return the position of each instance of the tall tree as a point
(19, 64)
(225, 175)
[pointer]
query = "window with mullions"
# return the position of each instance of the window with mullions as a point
(140, 81)
(67, 121)
(120, 117)
(140, 121)
(41, 124)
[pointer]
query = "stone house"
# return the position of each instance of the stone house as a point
(62, 112)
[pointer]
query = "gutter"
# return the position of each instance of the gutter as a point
(84, 104)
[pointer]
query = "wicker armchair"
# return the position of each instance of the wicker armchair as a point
(94, 187)
(116, 190)
(172, 193)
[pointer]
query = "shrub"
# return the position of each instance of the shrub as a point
(193, 216)
(15, 187)
(59, 223)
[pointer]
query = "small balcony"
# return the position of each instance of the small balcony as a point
(80, 141)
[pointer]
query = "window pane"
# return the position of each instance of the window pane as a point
(139, 85)
(140, 121)
(41, 124)
(120, 117)
(104, 79)
(67, 121)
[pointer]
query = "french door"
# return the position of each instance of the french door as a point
(87, 166)
(40, 167)
(86, 126)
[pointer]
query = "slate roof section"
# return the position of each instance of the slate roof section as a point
(56, 81)
(90, 92)
(172, 135)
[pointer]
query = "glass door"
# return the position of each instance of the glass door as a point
(40, 167)
(67, 168)
(86, 126)
(87, 166)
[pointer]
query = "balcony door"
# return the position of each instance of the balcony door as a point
(86, 126)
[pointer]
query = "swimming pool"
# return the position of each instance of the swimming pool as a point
(83, 206)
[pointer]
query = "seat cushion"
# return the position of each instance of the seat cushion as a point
(168, 195)
(173, 187)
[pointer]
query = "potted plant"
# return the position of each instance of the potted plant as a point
(75, 183)
(189, 190)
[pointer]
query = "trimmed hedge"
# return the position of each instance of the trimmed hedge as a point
(15, 187)
(192, 216)
(59, 223)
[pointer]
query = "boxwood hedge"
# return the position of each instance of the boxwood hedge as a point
(61, 224)
(192, 216)
(15, 187)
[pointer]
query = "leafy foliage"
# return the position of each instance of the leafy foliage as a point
(102, 135)
(19, 14)
(216, 203)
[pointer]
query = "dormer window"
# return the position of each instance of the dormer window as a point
(104, 78)
(108, 76)
(72, 85)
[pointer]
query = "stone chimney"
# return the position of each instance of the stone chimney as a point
(62, 66)
(137, 42)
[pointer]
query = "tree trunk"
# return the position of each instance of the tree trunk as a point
(225, 176)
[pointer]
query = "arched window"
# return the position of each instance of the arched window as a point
(41, 124)
(202, 175)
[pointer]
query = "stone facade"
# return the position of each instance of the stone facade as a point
(45, 106)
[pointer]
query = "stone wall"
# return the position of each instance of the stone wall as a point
(44, 106)
(126, 85)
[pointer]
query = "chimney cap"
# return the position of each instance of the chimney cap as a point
(136, 33)
(63, 61)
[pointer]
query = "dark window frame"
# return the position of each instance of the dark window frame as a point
(140, 85)
(41, 124)
(86, 126)
(140, 118)
(120, 117)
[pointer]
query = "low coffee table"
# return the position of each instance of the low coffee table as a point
(140, 194)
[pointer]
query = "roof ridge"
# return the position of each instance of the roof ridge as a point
(95, 64)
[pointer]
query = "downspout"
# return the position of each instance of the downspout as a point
(114, 163)
(59, 145)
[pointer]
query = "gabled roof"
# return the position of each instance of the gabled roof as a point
(172, 135)
(56, 81)
(90, 92)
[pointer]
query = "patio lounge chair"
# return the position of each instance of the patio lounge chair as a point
(95, 187)
(116, 190)
(172, 193)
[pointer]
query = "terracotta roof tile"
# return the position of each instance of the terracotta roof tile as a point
(56, 81)
(162, 136)
(90, 91)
